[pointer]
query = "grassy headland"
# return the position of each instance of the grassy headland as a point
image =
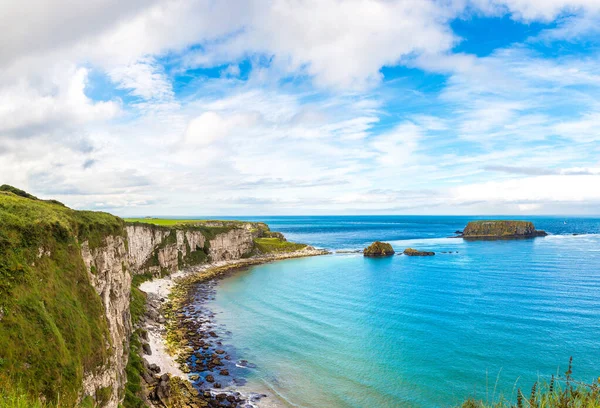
(52, 324)
(270, 245)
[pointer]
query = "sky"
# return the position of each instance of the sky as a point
(276, 107)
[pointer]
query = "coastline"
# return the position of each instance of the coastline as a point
(173, 331)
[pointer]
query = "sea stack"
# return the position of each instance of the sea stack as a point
(501, 229)
(379, 249)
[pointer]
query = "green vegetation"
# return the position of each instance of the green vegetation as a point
(52, 324)
(169, 222)
(378, 248)
(500, 229)
(134, 368)
(565, 393)
(269, 245)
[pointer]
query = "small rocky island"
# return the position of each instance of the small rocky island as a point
(415, 252)
(378, 248)
(501, 229)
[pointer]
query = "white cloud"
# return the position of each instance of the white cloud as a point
(311, 119)
(27, 109)
(535, 190)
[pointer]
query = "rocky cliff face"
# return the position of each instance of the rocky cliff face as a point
(146, 248)
(165, 250)
(108, 270)
(233, 244)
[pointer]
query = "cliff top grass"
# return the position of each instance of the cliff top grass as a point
(52, 324)
(270, 245)
(171, 222)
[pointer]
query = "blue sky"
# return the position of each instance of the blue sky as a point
(247, 107)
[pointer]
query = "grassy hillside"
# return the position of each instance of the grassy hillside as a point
(169, 222)
(270, 245)
(52, 324)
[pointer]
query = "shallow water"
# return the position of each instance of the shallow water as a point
(345, 331)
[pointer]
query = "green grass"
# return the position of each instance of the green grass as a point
(52, 328)
(169, 222)
(133, 386)
(270, 245)
(557, 393)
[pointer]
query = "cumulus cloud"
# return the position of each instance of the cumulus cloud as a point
(311, 113)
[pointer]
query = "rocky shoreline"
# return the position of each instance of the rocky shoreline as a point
(181, 342)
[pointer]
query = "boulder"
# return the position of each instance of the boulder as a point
(501, 229)
(414, 252)
(146, 348)
(378, 248)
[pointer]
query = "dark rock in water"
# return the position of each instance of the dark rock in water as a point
(224, 372)
(378, 248)
(502, 229)
(217, 385)
(212, 334)
(458, 232)
(209, 378)
(220, 351)
(414, 252)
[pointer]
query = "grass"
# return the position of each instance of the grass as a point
(52, 323)
(169, 222)
(557, 393)
(133, 386)
(269, 245)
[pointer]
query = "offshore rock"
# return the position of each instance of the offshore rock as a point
(501, 229)
(378, 248)
(414, 252)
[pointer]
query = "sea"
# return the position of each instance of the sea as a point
(480, 319)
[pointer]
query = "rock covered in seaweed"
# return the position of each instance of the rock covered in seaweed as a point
(378, 248)
(414, 252)
(505, 229)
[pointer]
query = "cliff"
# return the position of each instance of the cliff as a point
(501, 229)
(159, 249)
(66, 291)
(64, 299)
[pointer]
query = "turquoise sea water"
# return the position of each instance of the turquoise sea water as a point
(345, 331)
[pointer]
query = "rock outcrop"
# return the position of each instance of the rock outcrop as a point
(501, 229)
(378, 248)
(414, 252)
